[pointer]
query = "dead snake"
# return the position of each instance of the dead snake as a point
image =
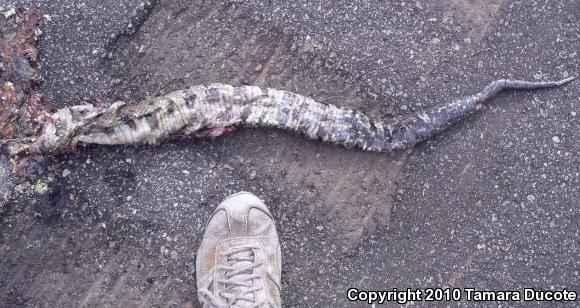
(199, 108)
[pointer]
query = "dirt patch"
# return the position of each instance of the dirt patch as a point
(479, 18)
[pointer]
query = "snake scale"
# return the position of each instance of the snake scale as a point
(200, 108)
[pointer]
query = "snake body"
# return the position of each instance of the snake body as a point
(199, 108)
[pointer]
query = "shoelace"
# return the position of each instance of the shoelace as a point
(239, 276)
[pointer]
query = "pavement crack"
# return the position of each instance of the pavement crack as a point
(136, 21)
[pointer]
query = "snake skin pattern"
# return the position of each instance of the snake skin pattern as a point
(200, 108)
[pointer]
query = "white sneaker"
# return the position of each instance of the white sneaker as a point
(239, 261)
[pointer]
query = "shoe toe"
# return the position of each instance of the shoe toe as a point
(241, 219)
(246, 215)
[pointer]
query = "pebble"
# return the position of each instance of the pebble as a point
(65, 173)
(40, 188)
(556, 139)
(258, 67)
(9, 13)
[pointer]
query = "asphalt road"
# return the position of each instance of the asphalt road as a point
(492, 204)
